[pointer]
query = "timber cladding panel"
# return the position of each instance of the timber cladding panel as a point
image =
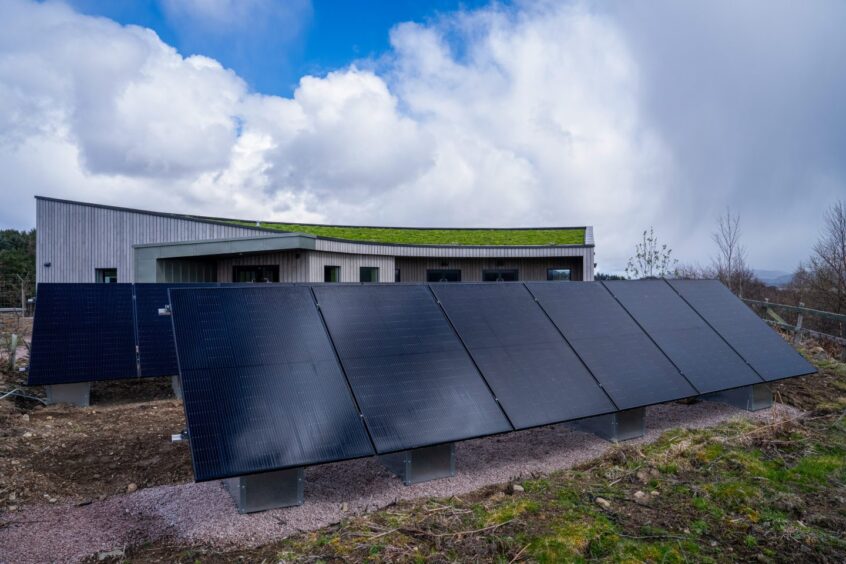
(77, 239)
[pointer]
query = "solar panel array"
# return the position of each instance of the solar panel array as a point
(278, 376)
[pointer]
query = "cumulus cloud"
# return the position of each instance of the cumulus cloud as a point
(539, 114)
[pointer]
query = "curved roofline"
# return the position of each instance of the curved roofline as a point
(244, 224)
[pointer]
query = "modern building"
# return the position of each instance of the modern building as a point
(83, 242)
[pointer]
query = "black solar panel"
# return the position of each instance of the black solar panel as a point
(262, 386)
(82, 332)
(620, 355)
(156, 351)
(758, 344)
(701, 354)
(534, 373)
(413, 379)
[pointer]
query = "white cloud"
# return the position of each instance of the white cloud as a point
(545, 114)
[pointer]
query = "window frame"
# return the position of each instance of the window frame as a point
(336, 269)
(371, 269)
(549, 277)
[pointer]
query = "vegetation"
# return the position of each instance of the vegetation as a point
(652, 259)
(17, 265)
(769, 491)
(411, 236)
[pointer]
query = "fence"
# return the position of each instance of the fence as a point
(831, 321)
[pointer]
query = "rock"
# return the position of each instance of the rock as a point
(642, 476)
(345, 507)
(604, 503)
(25, 417)
(639, 495)
(52, 500)
(131, 488)
(27, 435)
(118, 553)
(655, 493)
(13, 508)
(518, 488)
(13, 496)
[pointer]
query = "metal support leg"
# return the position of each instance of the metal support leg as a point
(422, 464)
(616, 427)
(176, 384)
(750, 398)
(269, 490)
(77, 394)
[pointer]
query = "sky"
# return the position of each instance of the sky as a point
(619, 114)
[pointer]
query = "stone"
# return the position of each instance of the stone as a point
(110, 554)
(602, 502)
(345, 507)
(131, 488)
(642, 476)
(518, 488)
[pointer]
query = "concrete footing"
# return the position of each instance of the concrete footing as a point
(78, 393)
(422, 464)
(750, 398)
(176, 384)
(269, 490)
(615, 427)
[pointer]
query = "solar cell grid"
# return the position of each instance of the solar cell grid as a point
(412, 377)
(770, 356)
(700, 353)
(82, 332)
(262, 386)
(534, 373)
(620, 355)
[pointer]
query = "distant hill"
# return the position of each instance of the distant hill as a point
(774, 277)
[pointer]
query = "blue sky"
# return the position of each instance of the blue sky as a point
(326, 35)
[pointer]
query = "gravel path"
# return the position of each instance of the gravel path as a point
(205, 514)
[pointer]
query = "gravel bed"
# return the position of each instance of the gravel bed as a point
(205, 513)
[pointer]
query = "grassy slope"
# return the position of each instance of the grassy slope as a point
(770, 491)
(494, 237)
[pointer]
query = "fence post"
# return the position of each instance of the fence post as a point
(798, 324)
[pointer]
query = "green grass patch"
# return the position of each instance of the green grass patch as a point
(410, 236)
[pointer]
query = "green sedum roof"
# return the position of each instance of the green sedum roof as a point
(412, 236)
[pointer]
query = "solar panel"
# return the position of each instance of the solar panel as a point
(701, 354)
(534, 373)
(82, 332)
(758, 344)
(412, 377)
(262, 386)
(156, 351)
(620, 355)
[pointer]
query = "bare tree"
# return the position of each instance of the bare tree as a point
(730, 263)
(824, 277)
(652, 259)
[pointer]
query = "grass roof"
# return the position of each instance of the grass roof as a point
(412, 236)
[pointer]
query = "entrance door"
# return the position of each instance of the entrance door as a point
(443, 275)
(510, 275)
(258, 273)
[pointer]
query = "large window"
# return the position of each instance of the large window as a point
(106, 275)
(502, 275)
(368, 274)
(331, 273)
(258, 273)
(558, 274)
(443, 275)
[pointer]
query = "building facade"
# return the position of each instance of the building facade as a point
(83, 242)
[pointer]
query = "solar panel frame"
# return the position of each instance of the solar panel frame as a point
(83, 333)
(532, 370)
(263, 389)
(631, 368)
(156, 347)
(413, 379)
(700, 354)
(761, 347)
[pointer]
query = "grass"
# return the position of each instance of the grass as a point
(410, 236)
(742, 491)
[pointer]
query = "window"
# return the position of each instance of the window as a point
(443, 275)
(510, 275)
(397, 277)
(559, 274)
(259, 273)
(106, 275)
(331, 273)
(368, 274)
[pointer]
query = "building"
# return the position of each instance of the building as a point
(83, 242)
